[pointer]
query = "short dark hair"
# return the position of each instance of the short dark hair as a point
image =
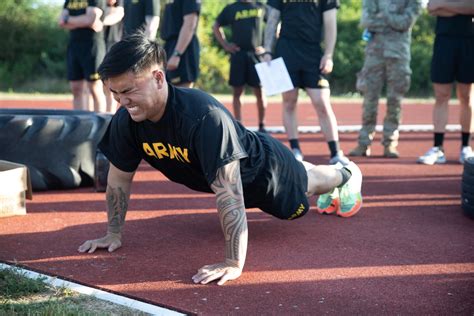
(133, 53)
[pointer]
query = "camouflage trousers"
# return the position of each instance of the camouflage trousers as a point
(378, 71)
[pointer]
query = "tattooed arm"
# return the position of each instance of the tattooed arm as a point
(117, 195)
(269, 35)
(231, 209)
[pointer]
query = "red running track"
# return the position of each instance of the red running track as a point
(408, 251)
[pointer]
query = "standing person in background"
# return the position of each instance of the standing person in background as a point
(387, 25)
(246, 20)
(178, 30)
(453, 61)
(113, 29)
(300, 46)
(142, 14)
(86, 49)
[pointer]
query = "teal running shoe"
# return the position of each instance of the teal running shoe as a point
(328, 203)
(350, 193)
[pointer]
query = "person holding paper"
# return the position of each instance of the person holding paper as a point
(308, 66)
(194, 140)
(245, 19)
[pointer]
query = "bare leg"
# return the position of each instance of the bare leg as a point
(320, 98)
(321, 179)
(261, 104)
(290, 117)
(79, 89)
(440, 112)
(97, 92)
(237, 105)
(465, 94)
(111, 103)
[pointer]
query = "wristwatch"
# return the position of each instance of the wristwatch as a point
(176, 53)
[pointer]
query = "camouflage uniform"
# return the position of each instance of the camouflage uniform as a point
(387, 59)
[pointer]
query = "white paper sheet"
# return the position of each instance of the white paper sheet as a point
(274, 76)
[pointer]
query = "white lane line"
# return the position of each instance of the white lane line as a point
(356, 128)
(99, 294)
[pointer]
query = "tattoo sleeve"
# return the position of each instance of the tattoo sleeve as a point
(270, 29)
(231, 209)
(117, 205)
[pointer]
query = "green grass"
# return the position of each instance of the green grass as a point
(20, 295)
(14, 285)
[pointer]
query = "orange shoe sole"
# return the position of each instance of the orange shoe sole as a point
(352, 212)
(334, 207)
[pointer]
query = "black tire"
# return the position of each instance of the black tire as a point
(467, 196)
(468, 209)
(58, 146)
(467, 187)
(468, 179)
(469, 166)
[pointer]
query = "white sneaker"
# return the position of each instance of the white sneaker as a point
(466, 152)
(433, 156)
(298, 154)
(339, 158)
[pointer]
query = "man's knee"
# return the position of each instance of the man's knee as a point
(290, 99)
(442, 93)
(465, 94)
(77, 87)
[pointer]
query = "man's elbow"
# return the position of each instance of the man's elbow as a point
(191, 22)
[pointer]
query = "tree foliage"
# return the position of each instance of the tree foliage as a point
(34, 48)
(33, 54)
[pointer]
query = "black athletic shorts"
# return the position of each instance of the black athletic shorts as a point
(284, 191)
(83, 60)
(302, 61)
(453, 60)
(242, 69)
(188, 68)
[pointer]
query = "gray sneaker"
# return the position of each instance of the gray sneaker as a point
(433, 156)
(339, 157)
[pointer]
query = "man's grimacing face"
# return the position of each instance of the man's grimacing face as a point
(143, 95)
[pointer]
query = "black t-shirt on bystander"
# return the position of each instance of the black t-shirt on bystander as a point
(302, 20)
(246, 21)
(79, 7)
(135, 13)
(173, 17)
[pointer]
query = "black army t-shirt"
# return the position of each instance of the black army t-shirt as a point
(194, 138)
(302, 20)
(245, 20)
(172, 20)
(136, 11)
(79, 7)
